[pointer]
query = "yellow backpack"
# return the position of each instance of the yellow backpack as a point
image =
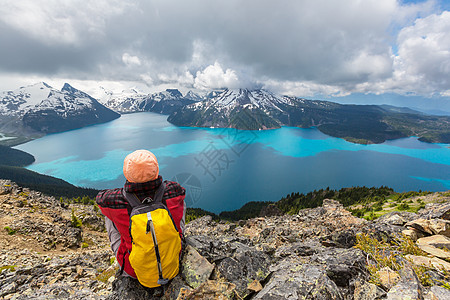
(156, 243)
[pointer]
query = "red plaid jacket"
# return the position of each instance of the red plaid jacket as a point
(116, 208)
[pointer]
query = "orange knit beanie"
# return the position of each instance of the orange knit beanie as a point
(140, 166)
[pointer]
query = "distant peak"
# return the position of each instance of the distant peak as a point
(40, 84)
(174, 92)
(244, 90)
(68, 88)
(46, 85)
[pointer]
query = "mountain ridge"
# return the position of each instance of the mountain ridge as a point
(164, 102)
(36, 110)
(39, 109)
(259, 109)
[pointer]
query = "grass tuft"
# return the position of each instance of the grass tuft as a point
(387, 254)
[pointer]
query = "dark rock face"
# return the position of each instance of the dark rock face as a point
(341, 265)
(295, 279)
(436, 211)
(165, 107)
(344, 239)
(129, 288)
(409, 286)
(245, 265)
(270, 210)
(382, 230)
(51, 121)
(367, 291)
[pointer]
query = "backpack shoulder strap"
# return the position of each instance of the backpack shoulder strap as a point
(160, 192)
(131, 198)
(134, 200)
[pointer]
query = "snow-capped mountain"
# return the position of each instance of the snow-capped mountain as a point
(35, 110)
(165, 102)
(113, 100)
(242, 109)
(260, 109)
(194, 96)
(262, 99)
(40, 109)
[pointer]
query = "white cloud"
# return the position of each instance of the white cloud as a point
(183, 79)
(423, 61)
(186, 79)
(147, 79)
(130, 60)
(371, 65)
(60, 22)
(304, 89)
(214, 77)
(304, 47)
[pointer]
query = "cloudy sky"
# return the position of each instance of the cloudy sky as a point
(307, 48)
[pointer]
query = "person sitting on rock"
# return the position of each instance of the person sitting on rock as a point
(141, 171)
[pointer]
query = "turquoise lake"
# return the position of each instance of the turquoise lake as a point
(222, 169)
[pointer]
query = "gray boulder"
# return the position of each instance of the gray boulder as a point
(293, 279)
(408, 287)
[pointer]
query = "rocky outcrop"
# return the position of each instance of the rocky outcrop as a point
(431, 232)
(292, 278)
(44, 255)
(59, 277)
(424, 227)
(439, 210)
(436, 245)
(59, 232)
(310, 255)
(428, 262)
(196, 269)
(408, 287)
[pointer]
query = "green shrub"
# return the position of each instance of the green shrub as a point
(383, 254)
(105, 275)
(8, 267)
(76, 222)
(370, 216)
(403, 206)
(10, 230)
(378, 206)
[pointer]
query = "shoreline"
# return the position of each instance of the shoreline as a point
(18, 140)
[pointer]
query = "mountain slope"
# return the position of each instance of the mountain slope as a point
(242, 109)
(165, 102)
(14, 157)
(40, 109)
(259, 109)
(11, 168)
